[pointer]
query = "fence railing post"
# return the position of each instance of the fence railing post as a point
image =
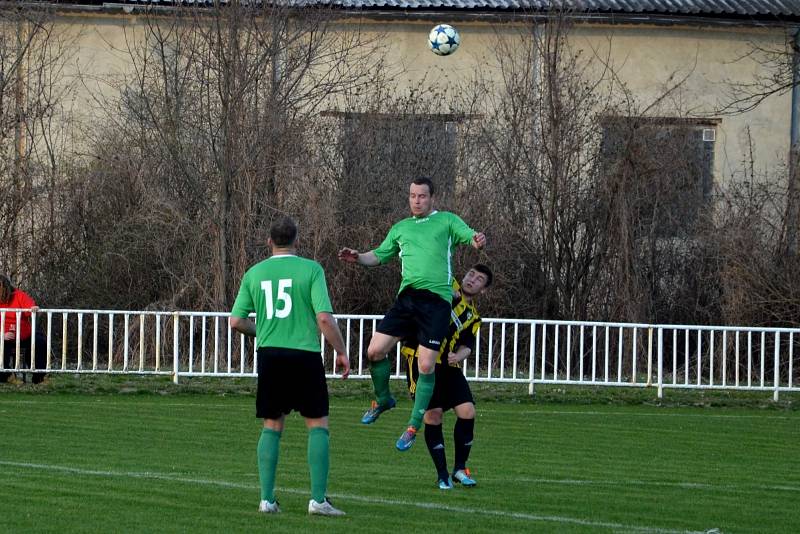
(531, 360)
(49, 345)
(776, 374)
(660, 369)
(655, 350)
(2, 345)
(649, 381)
(175, 355)
(33, 340)
(17, 342)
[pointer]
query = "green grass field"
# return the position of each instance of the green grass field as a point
(116, 462)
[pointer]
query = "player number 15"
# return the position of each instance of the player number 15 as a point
(283, 285)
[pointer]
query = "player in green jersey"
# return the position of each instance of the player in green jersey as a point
(424, 242)
(289, 296)
(452, 389)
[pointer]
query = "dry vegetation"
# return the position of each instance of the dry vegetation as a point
(595, 207)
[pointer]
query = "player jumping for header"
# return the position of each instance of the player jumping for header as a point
(424, 242)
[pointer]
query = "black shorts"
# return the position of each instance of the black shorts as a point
(290, 379)
(451, 388)
(418, 314)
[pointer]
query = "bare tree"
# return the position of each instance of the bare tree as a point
(597, 206)
(215, 129)
(759, 279)
(536, 159)
(777, 73)
(596, 201)
(32, 88)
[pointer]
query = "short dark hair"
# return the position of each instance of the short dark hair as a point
(6, 289)
(483, 269)
(424, 180)
(283, 232)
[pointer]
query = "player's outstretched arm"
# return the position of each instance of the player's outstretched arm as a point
(479, 240)
(350, 255)
(327, 325)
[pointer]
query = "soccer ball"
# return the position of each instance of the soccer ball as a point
(444, 40)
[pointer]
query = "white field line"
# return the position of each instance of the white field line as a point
(640, 414)
(105, 402)
(359, 498)
(736, 488)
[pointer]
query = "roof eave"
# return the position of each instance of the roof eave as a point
(458, 15)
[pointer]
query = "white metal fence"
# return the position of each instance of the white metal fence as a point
(193, 344)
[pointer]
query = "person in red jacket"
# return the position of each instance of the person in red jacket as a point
(14, 298)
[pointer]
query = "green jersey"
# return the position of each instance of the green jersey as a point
(425, 246)
(287, 293)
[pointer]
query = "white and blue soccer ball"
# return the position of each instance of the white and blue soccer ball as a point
(444, 40)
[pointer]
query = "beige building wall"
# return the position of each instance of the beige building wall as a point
(651, 59)
(98, 59)
(647, 59)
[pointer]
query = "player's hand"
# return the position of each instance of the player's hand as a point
(479, 240)
(8, 336)
(349, 255)
(453, 359)
(344, 364)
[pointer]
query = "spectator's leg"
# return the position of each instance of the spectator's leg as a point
(41, 358)
(3, 375)
(25, 361)
(9, 357)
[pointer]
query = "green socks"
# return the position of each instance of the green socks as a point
(380, 372)
(268, 447)
(318, 461)
(422, 398)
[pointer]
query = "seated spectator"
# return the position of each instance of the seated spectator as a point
(11, 297)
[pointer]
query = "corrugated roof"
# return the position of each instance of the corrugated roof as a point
(693, 7)
(777, 8)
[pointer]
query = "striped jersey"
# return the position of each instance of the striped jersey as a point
(464, 325)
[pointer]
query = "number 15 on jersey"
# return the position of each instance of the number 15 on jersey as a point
(273, 308)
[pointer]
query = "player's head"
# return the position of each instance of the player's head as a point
(420, 196)
(6, 288)
(477, 280)
(283, 232)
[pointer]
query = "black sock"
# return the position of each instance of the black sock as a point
(435, 441)
(463, 435)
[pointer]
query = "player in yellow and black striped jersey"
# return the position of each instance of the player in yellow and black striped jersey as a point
(451, 389)
(464, 325)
